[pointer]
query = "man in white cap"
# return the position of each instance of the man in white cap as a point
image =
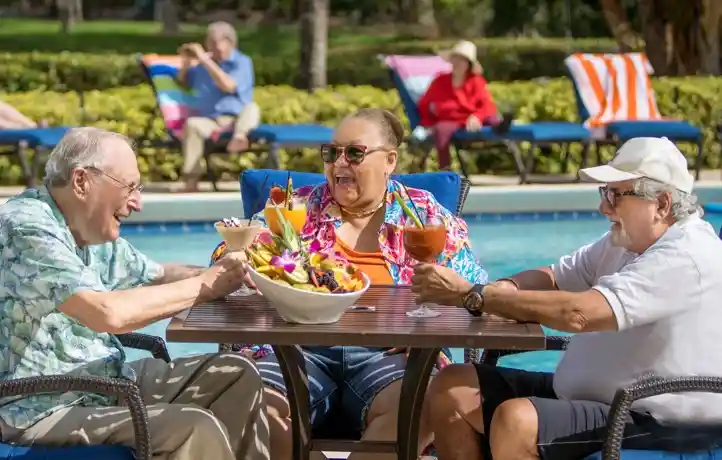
(643, 301)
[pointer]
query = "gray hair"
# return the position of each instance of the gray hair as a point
(79, 148)
(683, 204)
(223, 30)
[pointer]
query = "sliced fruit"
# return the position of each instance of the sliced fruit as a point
(305, 287)
(298, 276)
(277, 195)
(266, 269)
(322, 289)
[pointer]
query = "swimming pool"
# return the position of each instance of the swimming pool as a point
(505, 244)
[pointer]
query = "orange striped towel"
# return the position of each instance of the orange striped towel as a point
(613, 87)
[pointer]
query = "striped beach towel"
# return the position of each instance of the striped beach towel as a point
(176, 103)
(613, 87)
(415, 74)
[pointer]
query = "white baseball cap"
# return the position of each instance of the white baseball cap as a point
(656, 158)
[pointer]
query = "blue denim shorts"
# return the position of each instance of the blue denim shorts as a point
(345, 379)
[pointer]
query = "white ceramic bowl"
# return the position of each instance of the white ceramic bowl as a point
(305, 307)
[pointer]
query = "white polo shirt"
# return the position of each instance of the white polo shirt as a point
(668, 306)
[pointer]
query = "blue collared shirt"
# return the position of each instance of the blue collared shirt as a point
(212, 102)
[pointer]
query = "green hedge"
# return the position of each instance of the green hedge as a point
(127, 110)
(353, 64)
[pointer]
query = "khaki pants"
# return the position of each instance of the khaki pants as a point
(206, 407)
(198, 129)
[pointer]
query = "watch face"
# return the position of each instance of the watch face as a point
(472, 301)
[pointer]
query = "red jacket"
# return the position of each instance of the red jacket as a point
(456, 104)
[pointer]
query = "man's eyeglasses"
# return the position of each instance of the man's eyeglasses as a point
(353, 153)
(131, 188)
(611, 195)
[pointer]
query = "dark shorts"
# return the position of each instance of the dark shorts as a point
(342, 381)
(572, 430)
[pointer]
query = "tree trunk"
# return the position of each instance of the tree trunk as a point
(69, 13)
(710, 39)
(314, 43)
(426, 19)
(166, 12)
(655, 34)
(619, 24)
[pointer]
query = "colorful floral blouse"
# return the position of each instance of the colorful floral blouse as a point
(324, 218)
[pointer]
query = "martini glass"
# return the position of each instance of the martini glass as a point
(425, 244)
(239, 238)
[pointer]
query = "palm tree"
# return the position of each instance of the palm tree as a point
(314, 43)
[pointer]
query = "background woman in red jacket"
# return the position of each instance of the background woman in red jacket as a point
(458, 99)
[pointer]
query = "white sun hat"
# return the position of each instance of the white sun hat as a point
(465, 49)
(655, 158)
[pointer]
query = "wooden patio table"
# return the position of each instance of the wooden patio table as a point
(250, 319)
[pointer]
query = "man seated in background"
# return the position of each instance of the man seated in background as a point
(69, 283)
(644, 302)
(222, 79)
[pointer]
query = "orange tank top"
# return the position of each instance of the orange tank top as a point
(371, 263)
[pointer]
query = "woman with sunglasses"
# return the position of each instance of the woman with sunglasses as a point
(355, 214)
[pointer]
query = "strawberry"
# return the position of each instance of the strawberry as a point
(277, 195)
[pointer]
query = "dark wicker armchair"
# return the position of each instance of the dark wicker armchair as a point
(119, 387)
(624, 397)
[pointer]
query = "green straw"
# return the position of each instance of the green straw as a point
(415, 216)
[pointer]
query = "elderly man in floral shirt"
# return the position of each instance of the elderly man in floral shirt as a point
(68, 283)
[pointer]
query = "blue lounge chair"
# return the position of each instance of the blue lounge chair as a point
(591, 80)
(176, 104)
(122, 388)
(39, 139)
(413, 74)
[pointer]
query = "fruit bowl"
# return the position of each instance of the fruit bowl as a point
(304, 306)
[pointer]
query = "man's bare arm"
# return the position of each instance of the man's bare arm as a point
(224, 81)
(178, 272)
(586, 311)
(538, 279)
(124, 311)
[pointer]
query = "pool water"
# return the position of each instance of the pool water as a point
(505, 247)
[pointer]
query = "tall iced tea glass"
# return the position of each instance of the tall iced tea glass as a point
(425, 244)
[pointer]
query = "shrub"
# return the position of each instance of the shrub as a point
(129, 109)
(352, 64)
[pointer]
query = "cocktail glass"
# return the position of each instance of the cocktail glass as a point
(239, 238)
(425, 244)
(296, 215)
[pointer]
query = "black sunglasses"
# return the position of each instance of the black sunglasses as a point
(613, 195)
(353, 153)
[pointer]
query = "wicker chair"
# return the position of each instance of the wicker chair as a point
(122, 388)
(622, 403)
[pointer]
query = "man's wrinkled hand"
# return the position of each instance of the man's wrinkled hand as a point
(228, 274)
(195, 50)
(439, 285)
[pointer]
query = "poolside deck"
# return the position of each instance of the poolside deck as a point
(492, 195)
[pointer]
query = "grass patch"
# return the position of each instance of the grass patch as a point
(128, 37)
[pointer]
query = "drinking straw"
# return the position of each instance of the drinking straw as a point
(288, 191)
(413, 206)
(258, 199)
